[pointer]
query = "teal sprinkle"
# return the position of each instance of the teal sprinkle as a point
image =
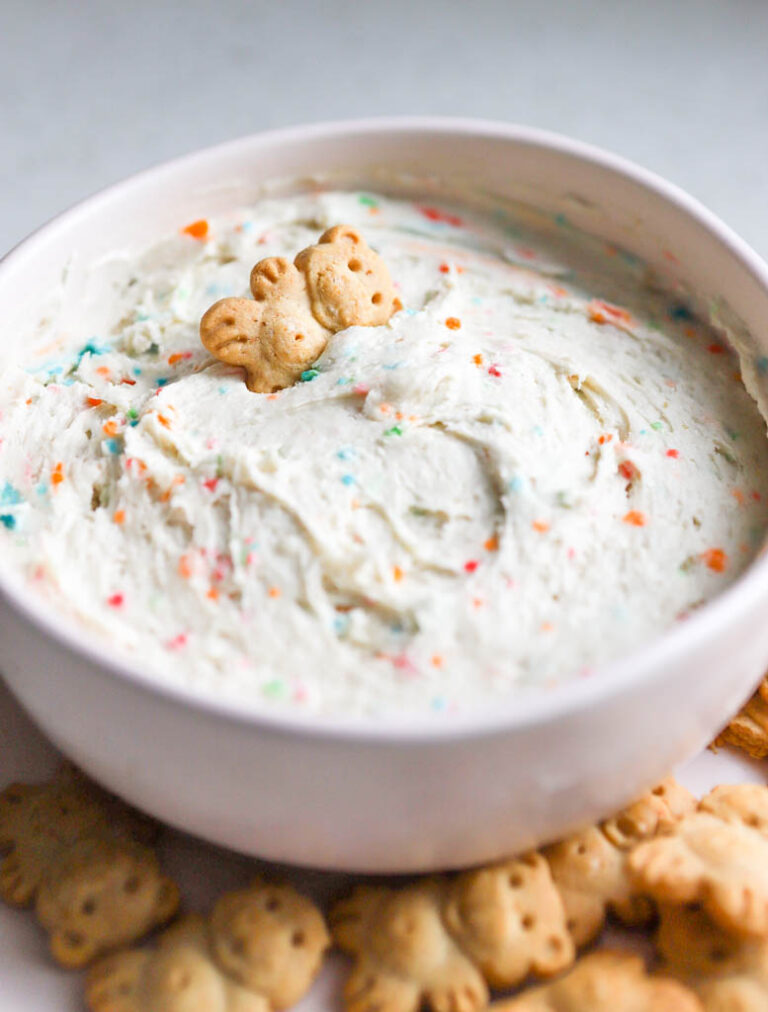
(348, 479)
(477, 301)
(409, 312)
(161, 381)
(309, 374)
(8, 521)
(345, 453)
(438, 703)
(680, 312)
(343, 381)
(515, 484)
(273, 689)
(393, 365)
(367, 201)
(395, 430)
(114, 445)
(10, 496)
(68, 382)
(91, 348)
(247, 226)
(136, 371)
(657, 426)
(341, 624)
(141, 317)
(42, 488)
(223, 390)
(537, 430)
(762, 364)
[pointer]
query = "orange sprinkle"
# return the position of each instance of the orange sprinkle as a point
(176, 357)
(715, 559)
(546, 627)
(635, 518)
(453, 323)
(399, 416)
(94, 401)
(444, 268)
(437, 660)
(272, 397)
(197, 229)
(185, 567)
(57, 474)
(164, 421)
(385, 408)
(397, 573)
(492, 544)
(540, 525)
(109, 428)
(275, 592)
(477, 359)
(118, 516)
(103, 370)
(478, 602)
(605, 438)
(738, 495)
(213, 593)
(603, 312)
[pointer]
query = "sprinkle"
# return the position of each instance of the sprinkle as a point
(738, 495)
(385, 408)
(274, 592)
(397, 574)
(756, 496)
(436, 660)
(715, 559)
(603, 312)
(177, 642)
(94, 402)
(273, 689)
(309, 374)
(361, 389)
(179, 356)
(444, 268)
(57, 474)
(103, 370)
(716, 349)
(395, 430)
(118, 517)
(210, 484)
(8, 521)
(184, 568)
(657, 426)
(605, 438)
(680, 312)
(629, 470)
(494, 371)
(197, 229)
(115, 601)
(492, 544)
(635, 518)
(477, 359)
(161, 381)
(434, 214)
(673, 453)
(546, 627)
(213, 593)
(541, 526)
(515, 484)
(114, 446)
(453, 323)
(366, 200)
(109, 428)
(349, 479)
(10, 496)
(471, 566)
(164, 421)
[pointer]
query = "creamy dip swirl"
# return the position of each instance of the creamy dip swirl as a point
(535, 467)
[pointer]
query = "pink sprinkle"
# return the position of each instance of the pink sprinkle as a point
(115, 601)
(211, 443)
(571, 553)
(471, 566)
(211, 483)
(673, 453)
(299, 694)
(361, 389)
(404, 663)
(494, 371)
(177, 642)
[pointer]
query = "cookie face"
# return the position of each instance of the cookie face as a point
(606, 981)
(102, 893)
(270, 939)
(509, 918)
(348, 283)
(746, 804)
(722, 866)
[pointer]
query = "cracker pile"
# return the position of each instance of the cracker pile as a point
(692, 876)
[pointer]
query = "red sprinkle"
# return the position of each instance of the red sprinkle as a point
(471, 566)
(629, 470)
(115, 601)
(177, 642)
(673, 453)
(716, 349)
(211, 483)
(494, 371)
(435, 214)
(94, 401)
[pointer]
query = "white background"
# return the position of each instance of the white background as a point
(91, 92)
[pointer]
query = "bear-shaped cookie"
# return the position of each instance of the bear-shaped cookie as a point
(102, 893)
(39, 821)
(259, 951)
(276, 336)
(442, 941)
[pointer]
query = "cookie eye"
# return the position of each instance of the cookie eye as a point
(515, 880)
(299, 337)
(376, 299)
(89, 907)
(528, 922)
(132, 884)
(355, 265)
(272, 904)
(298, 938)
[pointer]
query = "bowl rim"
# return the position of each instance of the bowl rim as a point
(498, 717)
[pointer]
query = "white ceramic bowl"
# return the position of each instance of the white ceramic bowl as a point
(382, 795)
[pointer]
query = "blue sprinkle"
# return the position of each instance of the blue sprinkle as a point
(10, 496)
(348, 479)
(409, 312)
(341, 623)
(680, 312)
(8, 521)
(477, 301)
(161, 381)
(762, 364)
(537, 430)
(309, 374)
(394, 365)
(345, 453)
(223, 390)
(438, 703)
(42, 488)
(342, 381)
(114, 445)
(136, 371)
(247, 226)
(515, 484)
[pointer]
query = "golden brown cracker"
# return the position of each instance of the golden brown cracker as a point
(748, 730)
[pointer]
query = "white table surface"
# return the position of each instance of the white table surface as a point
(93, 91)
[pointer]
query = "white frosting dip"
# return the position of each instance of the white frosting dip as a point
(509, 483)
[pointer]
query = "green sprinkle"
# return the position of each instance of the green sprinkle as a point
(367, 201)
(394, 431)
(273, 689)
(132, 413)
(219, 466)
(657, 425)
(309, 374)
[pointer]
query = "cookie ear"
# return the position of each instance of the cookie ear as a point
(72, 949)
(275, 277)
(341, 233)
